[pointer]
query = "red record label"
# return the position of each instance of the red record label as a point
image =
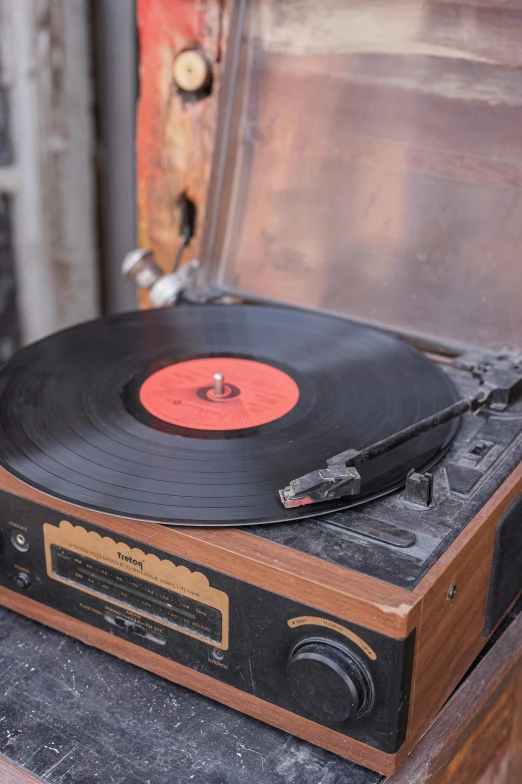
(250, 394)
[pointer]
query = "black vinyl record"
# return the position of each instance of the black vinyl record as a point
(121, 415)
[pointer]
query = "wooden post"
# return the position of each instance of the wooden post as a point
(174, 135)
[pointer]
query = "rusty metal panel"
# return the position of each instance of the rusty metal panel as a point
(372, 165)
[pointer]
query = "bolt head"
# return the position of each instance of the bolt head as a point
(191, 70)
(140, 266)
(452, 591)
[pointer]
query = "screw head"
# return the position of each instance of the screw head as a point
(140, 266)
(191, 70)
(452, 591)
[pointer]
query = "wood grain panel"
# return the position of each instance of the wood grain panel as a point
(12, 774)
(515, 762)
(450, 631)
(497, 771)
(253, 706)
(478, 703)
(482, 748)
(333, 589)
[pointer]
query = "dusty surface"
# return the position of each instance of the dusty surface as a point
(73, 715)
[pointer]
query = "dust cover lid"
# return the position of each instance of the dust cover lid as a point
(368, 163)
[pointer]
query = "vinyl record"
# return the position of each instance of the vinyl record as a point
(122, 414)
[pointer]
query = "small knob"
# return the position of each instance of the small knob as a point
(191, 71)
(327, 681)
(22, 580)
(140, 266)
(168, 289)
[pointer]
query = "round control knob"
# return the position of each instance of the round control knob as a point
(191, 70)
(327, 681)
(22, 580)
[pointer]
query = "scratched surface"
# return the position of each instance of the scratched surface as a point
(70, 714)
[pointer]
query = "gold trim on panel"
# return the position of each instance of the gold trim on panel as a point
(311, 620)
(145, 566)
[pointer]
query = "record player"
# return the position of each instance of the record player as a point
(303, 502)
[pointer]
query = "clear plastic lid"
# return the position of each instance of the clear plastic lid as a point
(369, 164)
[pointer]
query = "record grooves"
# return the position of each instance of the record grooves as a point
(117, 414)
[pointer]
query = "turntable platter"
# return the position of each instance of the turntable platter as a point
(197, 415)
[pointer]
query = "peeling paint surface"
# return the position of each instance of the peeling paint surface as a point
(175, 138)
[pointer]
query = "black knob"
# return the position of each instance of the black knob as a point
(327, 681)
(22, 580)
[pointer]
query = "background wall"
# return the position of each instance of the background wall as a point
(68, 83)
(45, 67)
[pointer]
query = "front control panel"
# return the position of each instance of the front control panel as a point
(336, 673)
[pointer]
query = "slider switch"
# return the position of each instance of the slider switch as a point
(131, 627)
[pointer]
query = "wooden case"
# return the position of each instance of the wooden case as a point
(448, 631)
